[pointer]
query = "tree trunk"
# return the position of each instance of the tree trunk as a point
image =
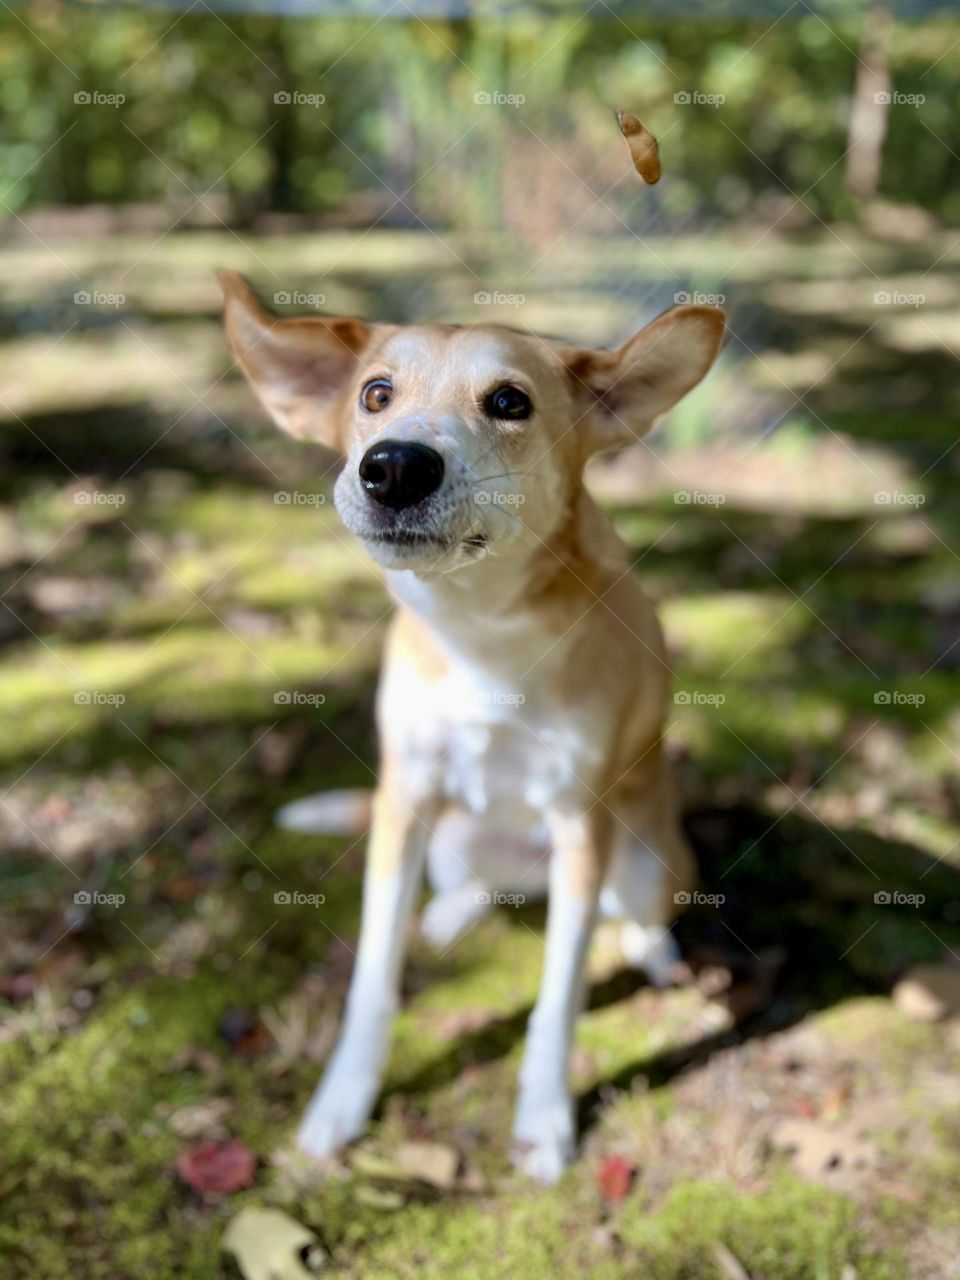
(871, 105)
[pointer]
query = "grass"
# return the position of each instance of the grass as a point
(224, 642)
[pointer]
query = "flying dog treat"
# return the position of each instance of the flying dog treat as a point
(643, 146)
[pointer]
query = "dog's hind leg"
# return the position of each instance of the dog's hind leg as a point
(460, 899)
(651, 873)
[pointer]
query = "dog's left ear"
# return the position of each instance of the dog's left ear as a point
(298, 366)
(618, 395)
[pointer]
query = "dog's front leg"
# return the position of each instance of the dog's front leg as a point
(340, 1108)
(544, 1129)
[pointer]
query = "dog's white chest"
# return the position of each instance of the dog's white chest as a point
(504, 755)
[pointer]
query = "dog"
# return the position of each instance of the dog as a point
(525, 684)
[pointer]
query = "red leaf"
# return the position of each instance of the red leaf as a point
(219, 1167)
(615, 1177)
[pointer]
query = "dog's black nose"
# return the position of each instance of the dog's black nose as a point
(399, 473)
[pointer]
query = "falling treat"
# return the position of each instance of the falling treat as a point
(643, 146)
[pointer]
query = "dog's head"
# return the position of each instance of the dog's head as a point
(459, 442)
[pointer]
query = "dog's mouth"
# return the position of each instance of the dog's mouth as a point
(411, 542)
(404, 538)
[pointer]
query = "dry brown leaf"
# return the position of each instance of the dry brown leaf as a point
(643, 146)
(435, 1163)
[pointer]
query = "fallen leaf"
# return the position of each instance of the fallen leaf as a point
(431, 1162)
(643, 146)
(615, 1178)
(201, 1119)
(270, 1245)
(243, 1031)
(17, 986)
(217, 1167)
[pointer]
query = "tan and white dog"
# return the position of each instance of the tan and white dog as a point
(525, 685)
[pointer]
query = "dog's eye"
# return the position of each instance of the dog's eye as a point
(508, 402)
(376, 395)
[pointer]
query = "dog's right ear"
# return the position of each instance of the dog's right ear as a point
(299, 367)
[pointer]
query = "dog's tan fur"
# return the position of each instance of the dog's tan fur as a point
(548, 604)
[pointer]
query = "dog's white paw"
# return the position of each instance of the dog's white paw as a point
(449, 915)
(544, 1137)
(338, 1112)
(652, 948)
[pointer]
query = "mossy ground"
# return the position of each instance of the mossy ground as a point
(188, 648)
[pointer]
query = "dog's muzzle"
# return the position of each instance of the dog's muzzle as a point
(400, 473)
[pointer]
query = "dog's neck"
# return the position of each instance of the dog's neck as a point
(509, 594)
